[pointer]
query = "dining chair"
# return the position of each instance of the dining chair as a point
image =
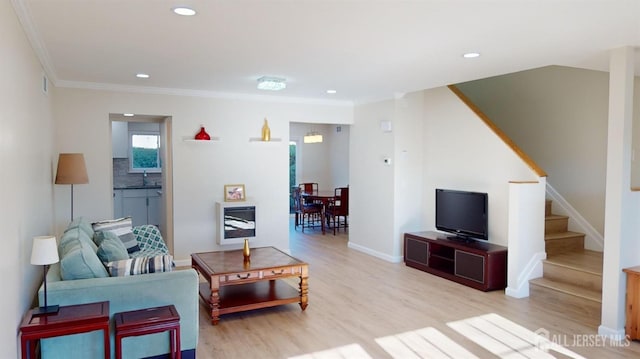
(309, 187)
(338, 207)
(311, 214)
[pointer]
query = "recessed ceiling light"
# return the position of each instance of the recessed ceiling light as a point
(271, 83)
(127, 114)
(142, 76)
(184, 11)
(331, 91)
(471, 55)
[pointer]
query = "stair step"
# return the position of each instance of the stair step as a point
(547, 207)
(567, 298)
(555, 223)
(557, 243)
(580, 268)
(569, 289)
(586, 260)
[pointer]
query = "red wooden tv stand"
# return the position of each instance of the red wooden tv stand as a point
(476, 264)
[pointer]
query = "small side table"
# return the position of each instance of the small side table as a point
(70, 319)
(149, 321)
(632, 324)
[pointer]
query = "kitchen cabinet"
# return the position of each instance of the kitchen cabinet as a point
(142, 204)
(120, 139)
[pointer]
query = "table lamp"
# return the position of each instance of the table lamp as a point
(44, 252)
(71, 170)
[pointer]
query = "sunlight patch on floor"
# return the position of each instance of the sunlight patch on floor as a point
(507, 339)
(422, 343)
(354, 351)
(496, 334)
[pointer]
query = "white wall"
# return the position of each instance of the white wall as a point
(339, 154)
(200, 170)
(462, 153)
(558, 116)
(408, 163)
(371, 187)
(526, 234)
(26, 179)
(635, 141)
(436, 142)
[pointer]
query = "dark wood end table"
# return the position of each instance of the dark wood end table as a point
(235, 285)
(70, 319)
(149, 321)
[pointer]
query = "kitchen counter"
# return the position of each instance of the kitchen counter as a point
(139, 187)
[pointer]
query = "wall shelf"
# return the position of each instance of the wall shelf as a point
(191, 139)
(259, 139)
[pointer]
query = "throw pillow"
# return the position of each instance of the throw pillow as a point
(81, 262)
(123, 228)
(150, 239)
(111, 248)
(141, 265)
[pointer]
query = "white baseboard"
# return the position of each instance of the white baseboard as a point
(371, 252)
(614, 334)
(182, 263)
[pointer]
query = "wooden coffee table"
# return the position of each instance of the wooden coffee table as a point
(235, 285)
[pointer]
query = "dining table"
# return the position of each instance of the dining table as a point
(322, 196)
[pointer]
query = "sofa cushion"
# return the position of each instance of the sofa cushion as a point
(122, 227)
(71, 235)
(110, 248)
(141, 265)
(80, 262)
(83, 224)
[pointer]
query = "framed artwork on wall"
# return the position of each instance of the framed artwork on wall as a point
(234, 193)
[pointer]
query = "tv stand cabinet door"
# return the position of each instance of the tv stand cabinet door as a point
(470, 266)
(416, 253)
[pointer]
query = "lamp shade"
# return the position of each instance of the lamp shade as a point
(71, 169)
(44, 251)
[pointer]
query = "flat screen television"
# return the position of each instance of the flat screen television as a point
(462, 213)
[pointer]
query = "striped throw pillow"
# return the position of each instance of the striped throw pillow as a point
(141, 265)
(123, 228)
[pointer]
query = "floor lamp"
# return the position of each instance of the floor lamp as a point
(44, 252)
(71, 170)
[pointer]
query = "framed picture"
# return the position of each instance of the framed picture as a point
(234, 192)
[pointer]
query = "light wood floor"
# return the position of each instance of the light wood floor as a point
(355, 299)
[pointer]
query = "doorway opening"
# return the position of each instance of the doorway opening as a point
(141, 168)
(293, 147)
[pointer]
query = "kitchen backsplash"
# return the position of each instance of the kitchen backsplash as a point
(122, 177)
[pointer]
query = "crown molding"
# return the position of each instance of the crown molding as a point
(24, 16)
(196, 93)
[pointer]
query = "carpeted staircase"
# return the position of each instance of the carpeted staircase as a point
(572, 275)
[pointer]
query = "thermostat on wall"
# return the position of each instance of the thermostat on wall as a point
(385, 126)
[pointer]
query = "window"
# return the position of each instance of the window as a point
(145, 152)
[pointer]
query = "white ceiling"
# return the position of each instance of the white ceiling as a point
(366, 50)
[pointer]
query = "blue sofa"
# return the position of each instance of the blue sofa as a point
(124, 293)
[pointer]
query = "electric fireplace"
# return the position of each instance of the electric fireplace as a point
(236, 221)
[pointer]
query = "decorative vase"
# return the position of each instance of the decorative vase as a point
(266, 132)
(246, 251)
(202, 135)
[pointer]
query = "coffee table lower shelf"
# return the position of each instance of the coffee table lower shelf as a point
(249, 296)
